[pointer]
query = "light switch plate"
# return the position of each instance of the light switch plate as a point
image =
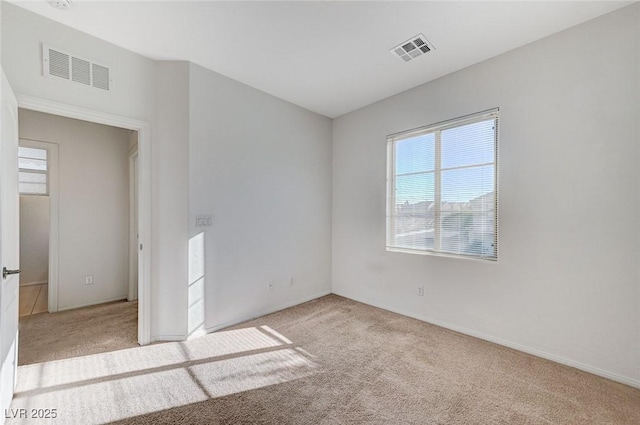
(204, 220)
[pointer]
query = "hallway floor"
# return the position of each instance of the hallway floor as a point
(80, 332)
(34, 299)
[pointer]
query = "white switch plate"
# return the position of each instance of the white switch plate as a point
(204, 220)
(88, 280)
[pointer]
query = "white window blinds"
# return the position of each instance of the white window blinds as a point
(442, 186)
(32, 171)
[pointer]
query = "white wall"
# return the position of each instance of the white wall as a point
(34, 239)
(566, 284)
(262, 168)
(93, 195)
(170, 200)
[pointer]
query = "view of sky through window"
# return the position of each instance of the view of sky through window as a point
(415, 163)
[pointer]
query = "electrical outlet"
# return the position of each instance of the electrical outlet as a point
(88, 280)
(270, 285)
(420, 291)
(291, 281)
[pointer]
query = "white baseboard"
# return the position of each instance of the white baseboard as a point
(266, 311)
(516, 346)
(168, 338)
(173, 338)
(34, 283)
(110, 300)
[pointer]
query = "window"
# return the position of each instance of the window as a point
(441, 188)
(32, 171)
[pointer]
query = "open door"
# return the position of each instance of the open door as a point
(9, 247)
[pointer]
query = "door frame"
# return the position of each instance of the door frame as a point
(144, 196)
(134, 191)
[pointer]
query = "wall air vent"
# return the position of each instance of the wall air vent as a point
(60, 64)
(412, 48)
(100, 77)
(80, 71)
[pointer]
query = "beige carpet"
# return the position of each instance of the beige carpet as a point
(90, 330)
(329, 361)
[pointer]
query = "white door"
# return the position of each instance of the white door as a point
(9, 248)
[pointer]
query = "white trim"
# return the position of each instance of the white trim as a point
(133, 235)
(496, 340)
(391, 192)
(266, 311)
(437, 192)
(444, 125)
(108, 300)
(169, 338)
(434, 253)
(144, 213)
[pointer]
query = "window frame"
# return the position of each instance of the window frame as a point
(33, 171)
(436, 129)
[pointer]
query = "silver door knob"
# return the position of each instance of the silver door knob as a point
(6, 272)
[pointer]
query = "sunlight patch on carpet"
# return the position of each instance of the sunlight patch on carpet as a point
(121, 384)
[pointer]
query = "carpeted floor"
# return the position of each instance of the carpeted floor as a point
(90, 330)
(329, 361)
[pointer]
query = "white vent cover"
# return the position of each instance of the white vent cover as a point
(80, 70)
(412, 48)
(100, 77)
(60, 64)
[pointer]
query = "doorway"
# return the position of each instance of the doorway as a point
(34, 184)
(139, 132)
(91, 218)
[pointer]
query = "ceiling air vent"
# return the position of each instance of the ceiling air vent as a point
(412, 48)
(60, 64)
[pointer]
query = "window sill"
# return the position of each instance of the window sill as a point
(442, 254)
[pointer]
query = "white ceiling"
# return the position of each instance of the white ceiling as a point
(330, 57)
